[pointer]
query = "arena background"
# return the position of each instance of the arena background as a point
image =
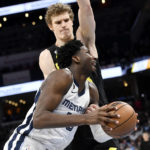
(123, 42)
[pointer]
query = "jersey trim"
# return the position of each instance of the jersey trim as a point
(24, 129)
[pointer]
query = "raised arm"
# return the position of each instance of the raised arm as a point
(46, 63)
(86, 30)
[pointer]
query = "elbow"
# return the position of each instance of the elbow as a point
(39, 121)
(36, 123)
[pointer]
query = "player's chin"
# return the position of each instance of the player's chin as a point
(93, 68)
(66, 36)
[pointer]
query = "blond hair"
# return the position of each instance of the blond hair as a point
(57, 9)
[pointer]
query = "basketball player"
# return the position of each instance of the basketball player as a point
(60, 104)
(59, 18)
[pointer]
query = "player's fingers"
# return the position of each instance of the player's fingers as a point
(135, 129)
(90, 109)
(112, 115)
(112, 121)
(137, 119)
(103, 108)
(109, 114)
(94, 106)
(106, 128)
(111, 108)
(108, 108)
(108, 120)
(87, 111)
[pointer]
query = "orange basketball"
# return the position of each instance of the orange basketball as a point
(127, 120)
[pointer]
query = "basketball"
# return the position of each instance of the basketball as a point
(127, 120)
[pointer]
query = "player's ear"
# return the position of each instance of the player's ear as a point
(50, 27)
(76, 59)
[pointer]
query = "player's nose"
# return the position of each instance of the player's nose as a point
(63, 24)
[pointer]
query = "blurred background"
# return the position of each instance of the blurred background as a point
(123, 42)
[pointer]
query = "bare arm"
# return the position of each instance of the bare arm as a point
(97, 130)
(104, 111)
(46, 63)
(94, 95)
(86, 30)
(52, 92)
(50, 98)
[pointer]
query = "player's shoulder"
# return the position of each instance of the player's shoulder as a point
(62, 74)
(60, 80)
(48, 51)
(45, 54)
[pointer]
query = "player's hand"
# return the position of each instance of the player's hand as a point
(135, 129)
(106, 115)
(102, 115)
(91, 108)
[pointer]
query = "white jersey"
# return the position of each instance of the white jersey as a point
(25, 137)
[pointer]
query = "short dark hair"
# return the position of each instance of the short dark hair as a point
(66, 52)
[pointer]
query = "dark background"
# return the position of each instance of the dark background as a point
(122, 37)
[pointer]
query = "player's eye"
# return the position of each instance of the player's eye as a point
(58, 22)
(66, 20)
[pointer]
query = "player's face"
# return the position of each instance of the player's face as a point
(62, 26)
(88, 61)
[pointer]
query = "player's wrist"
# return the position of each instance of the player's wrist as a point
(86, 119)
(89, 119)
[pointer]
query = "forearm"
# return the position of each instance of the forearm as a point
(99, 134)
(84, 3)
(53, 120)
(47, 119)
(86, 18)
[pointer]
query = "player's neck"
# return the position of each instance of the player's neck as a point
(78, 76)
(60, 43)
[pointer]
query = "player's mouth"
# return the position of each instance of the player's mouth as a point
(64, 31)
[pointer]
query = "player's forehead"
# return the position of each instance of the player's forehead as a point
(62, 16)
